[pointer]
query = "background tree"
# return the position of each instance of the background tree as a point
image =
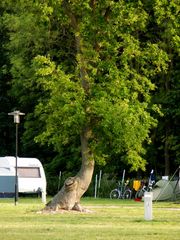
(5, 100)
(165, 21)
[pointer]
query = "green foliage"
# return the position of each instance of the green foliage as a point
(125, 51)
(64, 107)
(6, 102)
(166, 20)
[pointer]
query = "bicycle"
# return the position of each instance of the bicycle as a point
(146, 187)
(143, 189)
(121, 192)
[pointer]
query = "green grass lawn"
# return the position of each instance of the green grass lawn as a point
(109, 220)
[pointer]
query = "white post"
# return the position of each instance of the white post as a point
(99, 183)
(100, 175)
(43, 196)
(59, 180)
(95, 190)
(122, 183)
(148, 205)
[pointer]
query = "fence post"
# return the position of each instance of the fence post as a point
(95, 190)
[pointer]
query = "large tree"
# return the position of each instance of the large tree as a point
(89, 68)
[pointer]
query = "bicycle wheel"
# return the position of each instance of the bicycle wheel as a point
(139, 194)
(127, 194)
(114, 194)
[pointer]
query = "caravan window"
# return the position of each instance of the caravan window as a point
(28, 172)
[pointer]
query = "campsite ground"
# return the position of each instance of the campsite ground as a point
(108, 220)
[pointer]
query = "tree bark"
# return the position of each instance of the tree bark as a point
(69, 196)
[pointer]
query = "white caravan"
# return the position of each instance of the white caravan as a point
(31, 176)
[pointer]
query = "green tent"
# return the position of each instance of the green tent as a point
(166, 190)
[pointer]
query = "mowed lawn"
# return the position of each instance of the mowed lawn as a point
(108, 220)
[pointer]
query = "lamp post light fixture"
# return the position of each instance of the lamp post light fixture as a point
(16, 115)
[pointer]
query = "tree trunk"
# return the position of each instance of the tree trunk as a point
(69, 196)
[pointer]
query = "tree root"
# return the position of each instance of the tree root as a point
(78, 209)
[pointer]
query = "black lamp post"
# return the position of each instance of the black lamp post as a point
(16, 115)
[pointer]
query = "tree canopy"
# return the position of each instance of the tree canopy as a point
(110, 67)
